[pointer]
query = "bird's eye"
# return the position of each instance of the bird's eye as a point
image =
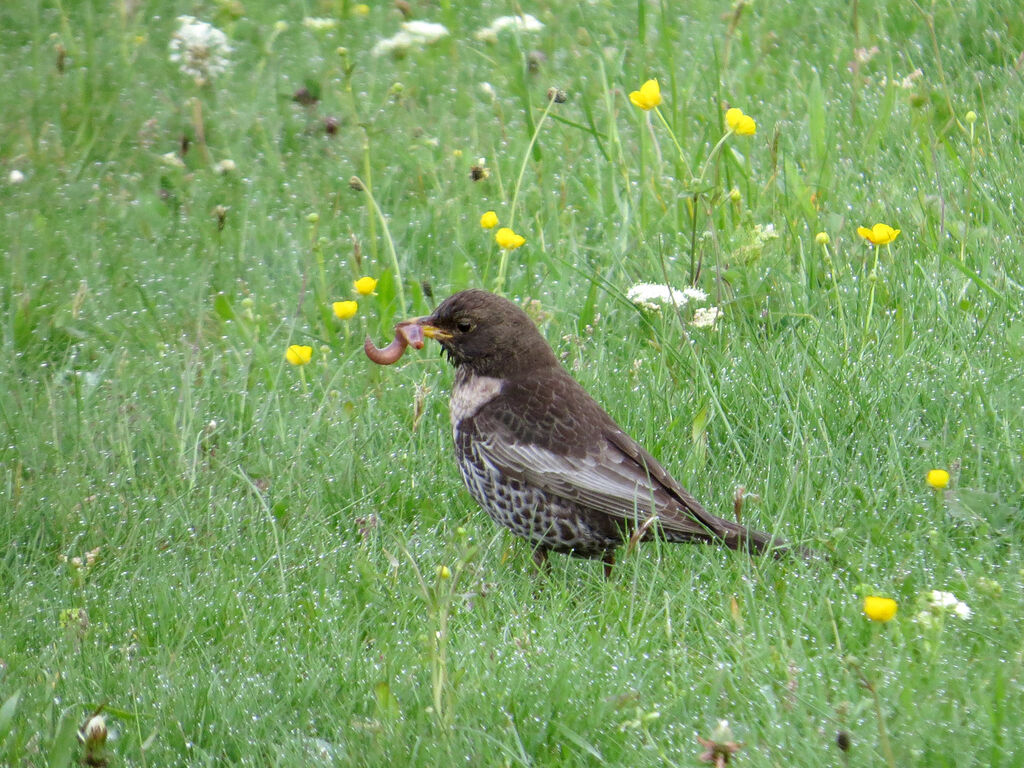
(464, 326)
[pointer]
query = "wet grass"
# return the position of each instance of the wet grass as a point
(243, 562)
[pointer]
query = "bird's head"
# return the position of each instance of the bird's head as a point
(488, 334)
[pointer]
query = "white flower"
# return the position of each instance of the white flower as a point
(15, 177)
(414, 34)
(962, 610)
(864, 55)
(940, 601)
(488, 90)
(428, 31)
(907, 83)
(319, 23)
(706, 317)
(172, 159)
(652, 295)
(695, 294)
(225, 166)
(200, 49)
(763, 233)
(925, 618)
(523, 23)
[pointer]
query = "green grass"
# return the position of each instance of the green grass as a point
(265, 588)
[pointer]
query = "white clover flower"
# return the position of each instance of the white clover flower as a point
(200, 49)
(706, 317)
(523, 23)
(15, 177)
(414, 34)
(319, 23)
(652, 295)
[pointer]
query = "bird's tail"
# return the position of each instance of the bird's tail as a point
(739, 537)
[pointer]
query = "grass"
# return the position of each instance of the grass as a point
(265, 587)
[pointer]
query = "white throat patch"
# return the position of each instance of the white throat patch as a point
(470, 394)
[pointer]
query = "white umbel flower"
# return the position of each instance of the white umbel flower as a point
(414, 34)
(652, 295)
(706, 317)
(523, 23)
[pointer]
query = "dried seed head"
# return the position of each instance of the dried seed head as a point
(557, 95)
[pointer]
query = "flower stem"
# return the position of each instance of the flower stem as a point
(399, 286)
(672, 135)
(835, 290)
(873, 279)
(499, 285)
(711, 154)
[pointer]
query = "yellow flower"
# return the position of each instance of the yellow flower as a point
(506, 238)
(298, 354)
(937, 479)
(879, 608)
(822, 238)
(444, 572)
(343, 310)
(360, 9)
(365, 285)
(880, 234)
(489, 220)
(740, 123)
(648, 97)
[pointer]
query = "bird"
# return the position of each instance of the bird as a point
(542, 457)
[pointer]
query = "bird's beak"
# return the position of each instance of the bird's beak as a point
(428, 329)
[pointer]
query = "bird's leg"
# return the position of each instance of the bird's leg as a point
(540, 559)
(609, 561)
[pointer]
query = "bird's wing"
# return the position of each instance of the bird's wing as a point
(604, 469)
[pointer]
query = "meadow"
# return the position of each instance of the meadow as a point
(235, 557)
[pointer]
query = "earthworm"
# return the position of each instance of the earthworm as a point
(408, 333)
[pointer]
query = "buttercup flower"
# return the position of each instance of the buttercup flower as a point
(343, 310)
(822, 238)
(508, 239)
(880, 234)
(740, 123)
(299, 354)
(937, 478)
(880, 608)
(365, 285)
(648, 97)
(489, 220)
(444, 572)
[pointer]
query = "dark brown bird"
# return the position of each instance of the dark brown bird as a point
(542, 457)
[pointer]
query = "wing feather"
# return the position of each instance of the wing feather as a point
(613, 475)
